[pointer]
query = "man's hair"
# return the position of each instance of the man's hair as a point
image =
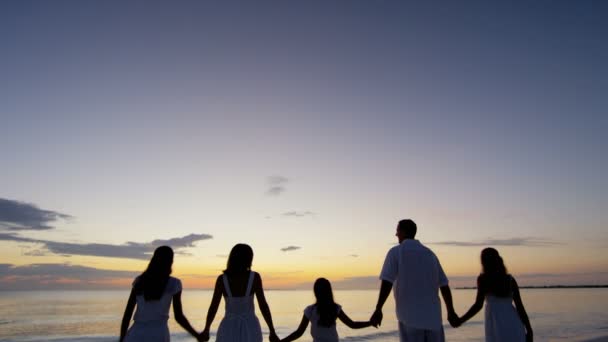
(408, 228)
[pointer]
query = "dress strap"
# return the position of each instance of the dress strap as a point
(249, 283)
(226, 285)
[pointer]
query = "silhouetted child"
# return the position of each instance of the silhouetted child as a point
(239, 284)
(503, 321)
(322, 315)
(152, 293)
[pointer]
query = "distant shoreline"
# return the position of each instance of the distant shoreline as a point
(547, 287)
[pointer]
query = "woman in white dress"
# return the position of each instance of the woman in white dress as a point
(503, 321)
(152, 293)
(238, 284)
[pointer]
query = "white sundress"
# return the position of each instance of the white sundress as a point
(151, 316)
(502, 322)
(240, 323)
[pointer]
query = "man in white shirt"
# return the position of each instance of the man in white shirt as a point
(416, 275)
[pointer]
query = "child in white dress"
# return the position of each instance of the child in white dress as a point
(238, 284)
(152, 293)
(503, 321)
(322, 315)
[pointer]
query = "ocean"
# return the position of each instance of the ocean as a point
(95, 316)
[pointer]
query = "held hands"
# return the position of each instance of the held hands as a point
(376, 319)
(273, 337)
(454, 320)
(204, 336)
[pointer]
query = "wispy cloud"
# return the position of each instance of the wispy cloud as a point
(298, 213)
(525, 241)
(132, 250)
(16, 215)
(290, 248)
(60, 276)
(354, 255)
(276, 185)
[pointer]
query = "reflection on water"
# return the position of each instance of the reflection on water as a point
(556, 314)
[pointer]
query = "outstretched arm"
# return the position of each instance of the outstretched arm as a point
(385, 290)
(215, 303)
(179, 314)
(350, 323)
(126, 317)
(476, 306)
(264, 309)
(446, 293)
(519, 305)
(299, 332)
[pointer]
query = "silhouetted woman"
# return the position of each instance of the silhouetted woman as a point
(503, 322)
(238, 284)
(323, 315)
(152, 293)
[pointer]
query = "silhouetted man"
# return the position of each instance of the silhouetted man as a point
(416, 275)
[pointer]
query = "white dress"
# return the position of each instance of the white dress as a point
(240, 323)
(321, 333)
(151, 316)
(502, 322)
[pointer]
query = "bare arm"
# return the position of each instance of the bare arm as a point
(126, 317)
(446, 293)
(350, 323)
(179, 314)
(299, 332)
(385, 290)
(264, 309)
(519, 305)
(476, 306)
(215, 303)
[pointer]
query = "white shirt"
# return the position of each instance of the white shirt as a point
(321, 333)
(416, 275)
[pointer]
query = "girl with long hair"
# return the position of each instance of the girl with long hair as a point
(152, 293)
(503, 321)
(323, 315)
(238, 284)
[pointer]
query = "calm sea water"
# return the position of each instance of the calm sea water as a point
(556, 314)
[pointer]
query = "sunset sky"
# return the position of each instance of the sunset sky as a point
(306, 129)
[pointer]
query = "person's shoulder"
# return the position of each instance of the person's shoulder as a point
(136, 281)
(309, 310)
(175, 284)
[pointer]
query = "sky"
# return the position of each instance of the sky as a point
(305, 129)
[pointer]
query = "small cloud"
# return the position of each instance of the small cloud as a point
(354, 255)
(16, 215)
(223, 256)
(276, 185)
(290, 248)
(525, 241)
(298, 213)
(35, 252)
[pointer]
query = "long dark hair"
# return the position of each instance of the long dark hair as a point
(494, 277)
(326, 307)
(240, 259)
(152, 282)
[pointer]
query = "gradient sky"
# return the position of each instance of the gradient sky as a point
(309, 126)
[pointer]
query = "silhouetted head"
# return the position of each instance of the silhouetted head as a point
(494, 278)
(240, 259)
(406, 229)
(491, 262)
(152, 282)
(326, 307)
